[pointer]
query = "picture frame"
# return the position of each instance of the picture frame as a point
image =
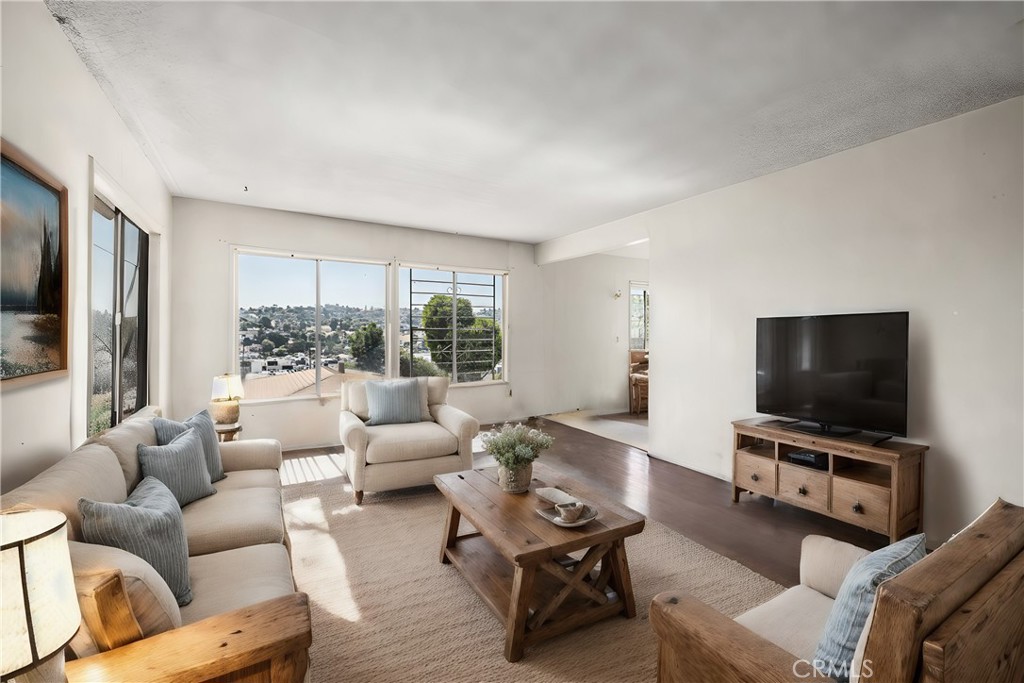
(33, 272)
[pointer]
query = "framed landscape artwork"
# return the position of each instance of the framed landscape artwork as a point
(33, 272)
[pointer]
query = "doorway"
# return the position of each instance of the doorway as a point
(628, 427)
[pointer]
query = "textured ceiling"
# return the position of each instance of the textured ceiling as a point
(524, 121)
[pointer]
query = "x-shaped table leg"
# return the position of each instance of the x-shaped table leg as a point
(574, 581)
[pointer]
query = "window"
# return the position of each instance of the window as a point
(306, 325)
(466, 346)
(119, 303)
(639, 315)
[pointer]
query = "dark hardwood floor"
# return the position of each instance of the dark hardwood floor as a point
(757, 532)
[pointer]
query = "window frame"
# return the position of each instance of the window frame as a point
(144, 312)
(646, 287)
(504, 274)
(238, 250)
(392, 324)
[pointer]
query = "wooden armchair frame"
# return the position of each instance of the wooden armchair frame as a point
(696, 642)
(953, 616)
(264, 643)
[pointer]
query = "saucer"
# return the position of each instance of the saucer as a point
(555, 496)
(551, 514)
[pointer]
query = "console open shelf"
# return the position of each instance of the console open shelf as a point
(762, 451)
(865, 472)
(875, 487)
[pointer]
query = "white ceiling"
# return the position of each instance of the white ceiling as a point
(525, 121)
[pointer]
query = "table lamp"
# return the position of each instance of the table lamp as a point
(40, 606)
(227, 389)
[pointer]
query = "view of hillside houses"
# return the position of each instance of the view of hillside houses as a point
(279, 345)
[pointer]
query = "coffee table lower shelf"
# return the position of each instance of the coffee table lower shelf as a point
(493, 578)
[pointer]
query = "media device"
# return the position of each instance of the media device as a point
(843, 373)
(810, 458)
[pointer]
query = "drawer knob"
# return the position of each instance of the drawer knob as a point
(858, 508)
(754, 477)
(802, 490)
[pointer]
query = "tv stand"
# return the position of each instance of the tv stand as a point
(875, 486)
(821, 429)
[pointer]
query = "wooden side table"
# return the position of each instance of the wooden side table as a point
(227, 432)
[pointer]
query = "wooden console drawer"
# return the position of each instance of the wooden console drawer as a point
(755, 473)
(865, 505)
(803, 486)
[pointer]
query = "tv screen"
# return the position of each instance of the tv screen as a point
(835, 370)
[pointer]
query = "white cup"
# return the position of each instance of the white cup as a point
(570, 512)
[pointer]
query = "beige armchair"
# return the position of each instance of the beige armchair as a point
(953, 616)
(388, 457)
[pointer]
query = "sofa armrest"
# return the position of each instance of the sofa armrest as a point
(825, 562)
(251, 454)
(268, 641)
(698, 643)
(353, 432)
(460, 423)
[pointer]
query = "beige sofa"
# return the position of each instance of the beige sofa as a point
(237, 541)
(388, 457)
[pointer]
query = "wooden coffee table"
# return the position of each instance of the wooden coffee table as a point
(519, 563)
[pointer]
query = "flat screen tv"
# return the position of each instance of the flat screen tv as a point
(843, 373)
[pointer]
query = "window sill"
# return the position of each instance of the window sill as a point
(330, 397)
(486, 383)
(286, 399)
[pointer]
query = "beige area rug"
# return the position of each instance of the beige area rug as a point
(385, 609)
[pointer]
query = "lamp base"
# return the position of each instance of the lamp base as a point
(224, 412)
(50, 671)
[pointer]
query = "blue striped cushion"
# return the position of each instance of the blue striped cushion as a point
(180, 465)
(149, 525)
(167, 430)
(854, 602)
(393, 401)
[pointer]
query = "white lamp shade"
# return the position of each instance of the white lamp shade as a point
(227, 387)
(40, 611)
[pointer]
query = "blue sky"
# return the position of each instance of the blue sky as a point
(270, 280)
(26, 205)
(284, 281)
(28, 196)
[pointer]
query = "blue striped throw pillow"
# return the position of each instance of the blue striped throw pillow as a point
(393, 401)
(167, 430)
(180, 465)
(854, 602)
(149, 525)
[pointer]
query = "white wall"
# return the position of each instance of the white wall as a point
(588, 344)
(928, 221)
(54, 111)
(562, 321)
(201, 343)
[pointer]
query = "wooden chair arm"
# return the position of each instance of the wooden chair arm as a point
(106, 610)
(697, 643)
(268, 641)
